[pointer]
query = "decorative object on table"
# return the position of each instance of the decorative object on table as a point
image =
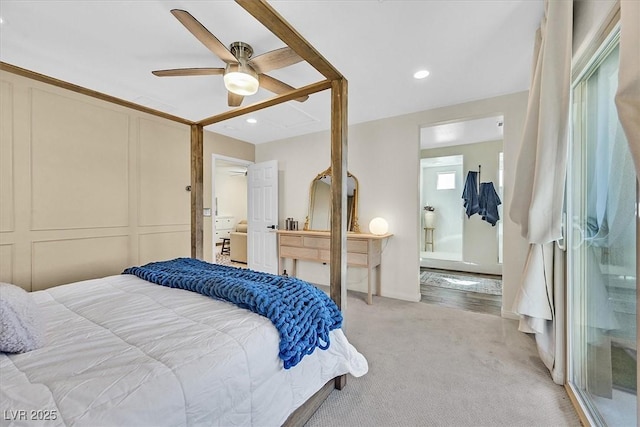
(429, 216)
(290, 224)
(378, 226)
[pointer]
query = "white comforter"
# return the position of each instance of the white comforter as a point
(124, 352)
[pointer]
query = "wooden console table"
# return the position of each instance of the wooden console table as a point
(363, 250)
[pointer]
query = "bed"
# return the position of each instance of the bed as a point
(121, 350)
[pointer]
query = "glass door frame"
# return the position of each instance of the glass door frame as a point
(587, 411)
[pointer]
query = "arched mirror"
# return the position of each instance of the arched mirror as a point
(319, 217)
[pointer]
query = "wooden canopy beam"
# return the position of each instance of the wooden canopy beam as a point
(275, 23)
(88, 92)
(240, 111)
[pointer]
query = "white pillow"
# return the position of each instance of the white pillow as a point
(21, 324)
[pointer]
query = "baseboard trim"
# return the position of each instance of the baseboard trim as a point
(404, 297)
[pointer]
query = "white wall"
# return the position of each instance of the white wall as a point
(385, 157)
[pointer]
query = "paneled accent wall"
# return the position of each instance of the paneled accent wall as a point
(87, 188)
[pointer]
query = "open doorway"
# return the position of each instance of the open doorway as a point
(229, 211)
(460, 249)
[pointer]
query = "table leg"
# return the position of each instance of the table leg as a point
(369, 298)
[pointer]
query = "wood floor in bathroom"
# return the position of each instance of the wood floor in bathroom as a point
(465, 300)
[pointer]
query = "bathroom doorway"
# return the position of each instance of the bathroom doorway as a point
(460, 249)
(450, 239)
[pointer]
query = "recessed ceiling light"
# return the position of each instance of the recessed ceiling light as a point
(420, 74)
(1, 20)
(252, 121)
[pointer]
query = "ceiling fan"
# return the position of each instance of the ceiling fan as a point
(243, 73)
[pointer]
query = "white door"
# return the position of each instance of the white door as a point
(262, 216)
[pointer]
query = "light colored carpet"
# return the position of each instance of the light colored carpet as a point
(461, 281)
(437, 366)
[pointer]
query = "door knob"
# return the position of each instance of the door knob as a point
(273, 227)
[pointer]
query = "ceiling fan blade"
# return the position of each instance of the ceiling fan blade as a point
(234, 100)
(189, 72)
(204, 35)
(274, 59)
(277, 87)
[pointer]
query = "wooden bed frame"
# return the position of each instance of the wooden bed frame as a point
(335, 81)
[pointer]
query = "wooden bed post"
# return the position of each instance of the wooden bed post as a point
(338, 256)
(197, 191)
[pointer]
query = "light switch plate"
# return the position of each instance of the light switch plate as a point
(206, 211)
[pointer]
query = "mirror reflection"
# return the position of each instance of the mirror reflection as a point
(319, 217)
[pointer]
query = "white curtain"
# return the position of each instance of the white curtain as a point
(538, 197)
(628, 94)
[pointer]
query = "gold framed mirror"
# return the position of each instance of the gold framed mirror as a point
(319, 215)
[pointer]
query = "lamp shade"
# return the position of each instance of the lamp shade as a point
(378, 226)
(241, 79)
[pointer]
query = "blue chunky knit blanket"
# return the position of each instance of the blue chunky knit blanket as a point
(302, 314)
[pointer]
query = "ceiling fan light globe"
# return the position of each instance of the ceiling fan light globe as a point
(241, 80)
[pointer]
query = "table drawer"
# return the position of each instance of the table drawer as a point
(298, 253)
(353, 259)
(290, 240)
(317, 242)
(357, 246)
(357, 259)
(324, 255)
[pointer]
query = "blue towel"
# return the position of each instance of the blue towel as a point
(302, 313)
(489, 202)
(470, 194)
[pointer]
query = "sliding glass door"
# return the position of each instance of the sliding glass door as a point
(602, 250)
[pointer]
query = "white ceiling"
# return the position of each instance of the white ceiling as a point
(462, 132)
(474, 49)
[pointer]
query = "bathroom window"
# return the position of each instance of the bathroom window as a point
(446, 181)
